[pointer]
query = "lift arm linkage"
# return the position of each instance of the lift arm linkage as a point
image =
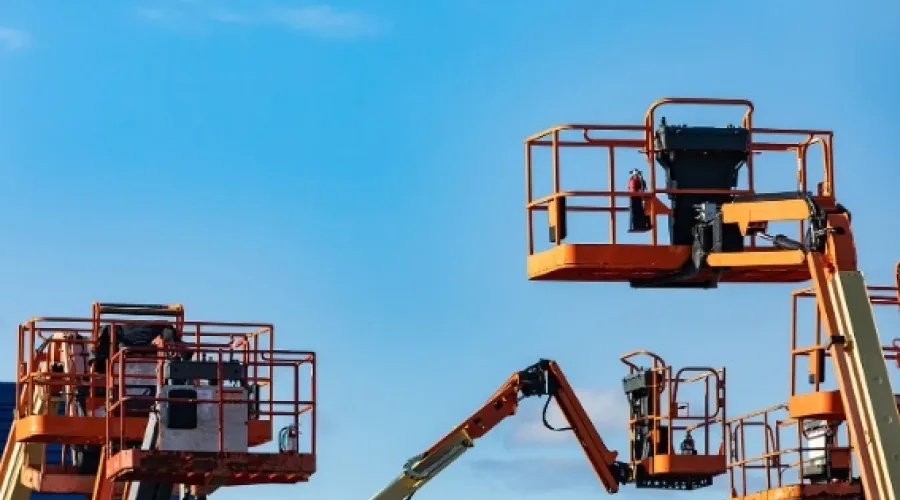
(752, 215)
(844, 305)
(544, 378)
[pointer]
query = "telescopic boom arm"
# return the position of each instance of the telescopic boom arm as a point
(843, 302)
(544, 378)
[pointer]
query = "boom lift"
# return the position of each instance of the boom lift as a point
(655, 419)
(805, 448)
(146, 405)
(714, 231)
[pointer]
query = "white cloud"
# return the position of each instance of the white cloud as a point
(607, 408)
(530, 475)
(13, 39)
(322, 20)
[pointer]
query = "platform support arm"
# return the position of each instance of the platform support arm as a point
(422, 468)
(843, 303)
(544, 378)
(610, 472)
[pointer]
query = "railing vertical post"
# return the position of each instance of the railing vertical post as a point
(706, 416)
(743, 456)
(613, 213)
(767, 450)
(555, 161)
(529, 197)
(121, 402)
(800, 447)
(21, 371)
(221, 396)
(296, 402)
(670, 425)
(107, 389)
(556, 177)
(32, 367)
(314, 401)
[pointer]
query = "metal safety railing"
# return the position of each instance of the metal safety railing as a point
(57, 358)
(674, 413)
(782, 454)
(293, 400)
(814, 352)
(641, 138)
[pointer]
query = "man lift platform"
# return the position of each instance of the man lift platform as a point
(654, 460)
(718, 232)
(148, 405)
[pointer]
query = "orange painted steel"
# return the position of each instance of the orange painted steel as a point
(897, 279)
(674, 420)
(725, 248)
(664, 468)
(224, 468)
(763, 476)
(783, 423)
(44, 344)
(250, 340)
(92, 430)
(544, 378)
(227, 469)
(617, 260)
(820, 402)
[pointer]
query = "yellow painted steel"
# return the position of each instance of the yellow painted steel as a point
(870, 380)
(419, 470)
(15, 456)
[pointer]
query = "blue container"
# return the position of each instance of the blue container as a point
(8, 393)
(7, 408)
(54, 451)
(57, 496)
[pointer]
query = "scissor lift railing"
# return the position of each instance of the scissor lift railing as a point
(670, 423)
(776, 468)
(295, 405)
(615, 260)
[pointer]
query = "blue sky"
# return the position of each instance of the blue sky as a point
(352, 172)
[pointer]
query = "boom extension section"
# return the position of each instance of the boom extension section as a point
(541, 379)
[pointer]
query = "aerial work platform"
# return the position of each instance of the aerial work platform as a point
(671, 447)
(690, 172)
(145, 402)
(803, 449)
(728, 232)
(810, 350)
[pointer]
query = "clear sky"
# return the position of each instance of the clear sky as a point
(352, 172)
